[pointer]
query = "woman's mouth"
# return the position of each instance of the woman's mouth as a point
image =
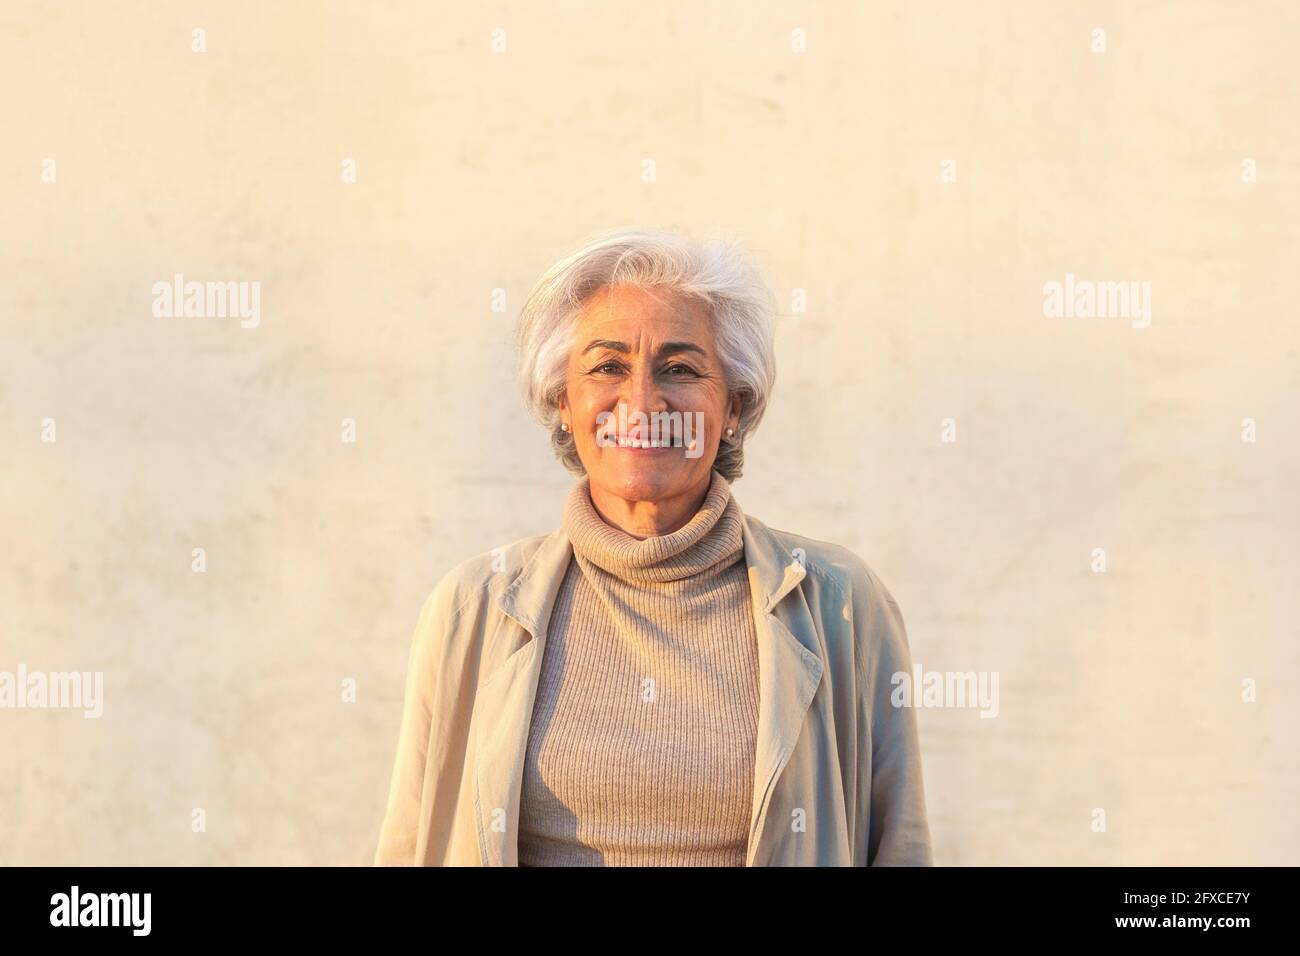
(641, 444)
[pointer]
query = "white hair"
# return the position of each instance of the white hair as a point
(720, 274)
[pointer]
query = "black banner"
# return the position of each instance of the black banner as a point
(922, 906)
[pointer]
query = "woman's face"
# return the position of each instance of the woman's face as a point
(649, 351)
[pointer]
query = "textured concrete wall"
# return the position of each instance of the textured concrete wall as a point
(1120, 690)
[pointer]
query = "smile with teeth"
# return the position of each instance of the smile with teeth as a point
(625, 442)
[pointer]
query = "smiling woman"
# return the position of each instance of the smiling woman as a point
(663, 680)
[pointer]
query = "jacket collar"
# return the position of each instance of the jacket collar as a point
(773, 573)
(790, 670)
(530, 596)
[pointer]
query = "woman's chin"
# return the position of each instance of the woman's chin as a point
(650, 481)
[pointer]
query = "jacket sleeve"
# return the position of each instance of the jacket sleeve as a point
(891, 797)
(399, 833)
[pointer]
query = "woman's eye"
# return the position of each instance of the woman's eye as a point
(680, 370)
(608, 368)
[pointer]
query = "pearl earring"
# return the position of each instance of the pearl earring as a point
(730, 432)
(564, 426)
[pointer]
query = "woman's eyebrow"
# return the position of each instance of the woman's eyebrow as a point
(668, 348)
(610, 344)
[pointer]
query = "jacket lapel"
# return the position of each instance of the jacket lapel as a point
(789, 668)
(504, 702)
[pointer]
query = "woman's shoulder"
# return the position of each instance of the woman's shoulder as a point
(838, 586)
(833, 564)
(483, 577)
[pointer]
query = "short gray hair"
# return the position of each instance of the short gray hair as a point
(720, 274)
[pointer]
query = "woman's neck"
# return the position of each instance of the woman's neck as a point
(710, 541)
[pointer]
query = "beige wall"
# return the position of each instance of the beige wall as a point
(1119, 690)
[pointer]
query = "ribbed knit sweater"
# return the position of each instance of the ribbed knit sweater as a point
(641, 746)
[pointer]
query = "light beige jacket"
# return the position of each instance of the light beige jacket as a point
(838, 767)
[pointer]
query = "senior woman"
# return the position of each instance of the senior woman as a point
(663, 680)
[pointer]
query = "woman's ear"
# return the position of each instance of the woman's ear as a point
(733, 410)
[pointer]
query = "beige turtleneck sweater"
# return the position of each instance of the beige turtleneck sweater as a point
(641, 747)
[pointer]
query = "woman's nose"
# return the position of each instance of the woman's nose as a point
(643, 393)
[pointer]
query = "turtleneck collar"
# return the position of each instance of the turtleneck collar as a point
(707, 544)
